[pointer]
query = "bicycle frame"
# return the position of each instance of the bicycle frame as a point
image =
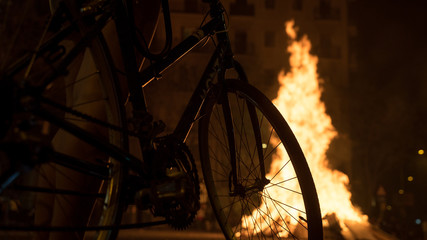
(220, 60)
(165, 180)
(137, 80)
(216, 26)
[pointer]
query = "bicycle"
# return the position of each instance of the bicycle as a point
(57, 149)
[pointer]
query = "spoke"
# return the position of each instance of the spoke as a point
(269, 137)
(250, 171)
(89, 102)
(247, 145)
(221, 181)
(215, 115)
(281, 217)
(242, 133)
(280, 169)
(13, 37)
(82, 79)
(51, 117)
(255, 222)
(240, 217)
(57, 191)
(278, 185)
(231, 208)
(51, 185)
(212, 132)
(268, 216)
(219, 173)
(260, 127)
(271, 152)
(216, 159)
(246, 223)
(222, 127)
(57, 91)
(284, 204)
(274, 218)
(71, 119)
(232, 203)
(297, 220)
(268, 209)
(222, 144)
(255, 167)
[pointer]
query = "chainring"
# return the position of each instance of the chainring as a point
(181, 210)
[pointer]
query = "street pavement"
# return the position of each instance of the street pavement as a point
(168, 234)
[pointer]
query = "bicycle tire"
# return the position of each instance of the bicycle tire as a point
(234, 100)
(52, 200)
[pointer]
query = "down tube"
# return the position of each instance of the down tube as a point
(190, 114)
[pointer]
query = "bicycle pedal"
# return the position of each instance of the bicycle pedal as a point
(170, 189)
(161, 193)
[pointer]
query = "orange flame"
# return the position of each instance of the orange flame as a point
(298, 99)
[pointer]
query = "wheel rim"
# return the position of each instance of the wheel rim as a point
(273, 206)
(88, 88)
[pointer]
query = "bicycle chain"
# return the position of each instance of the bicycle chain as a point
(182, 219)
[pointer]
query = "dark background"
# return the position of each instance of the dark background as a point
(387, 110)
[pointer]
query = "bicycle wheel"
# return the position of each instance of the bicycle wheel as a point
(269, 192)
(68, 186)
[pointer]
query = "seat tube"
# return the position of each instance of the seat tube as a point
(125, 35)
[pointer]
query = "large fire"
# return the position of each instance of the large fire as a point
(298, 99)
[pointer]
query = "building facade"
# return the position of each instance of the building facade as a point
(257, 32)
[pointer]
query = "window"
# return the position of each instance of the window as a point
(270, 4)
(297, 5)
(176, 6)
(270, 75)
(325, 11)
(241, 7)
(192, 6)
(241, 42)
(189, 6)
(327, 49)
(269, 39)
